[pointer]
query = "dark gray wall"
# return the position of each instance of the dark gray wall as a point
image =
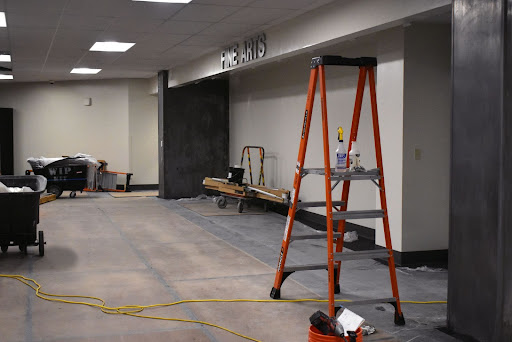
(480, 257)
(6, 142)
(195, 133)
(163, 96)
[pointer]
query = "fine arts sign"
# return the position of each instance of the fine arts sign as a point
(251, 49)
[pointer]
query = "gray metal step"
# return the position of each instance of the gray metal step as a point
(306, 267)
(357, 214)
(313, 236)
(301, 205)
(347, 175)
(360, 255)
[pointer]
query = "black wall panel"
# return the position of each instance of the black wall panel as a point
(480, 260)
(6, 141)
(195, 137)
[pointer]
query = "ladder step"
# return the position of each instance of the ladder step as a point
(347, 175)
(359, 255)
(357, 214)
(371, 301)
(306, 267)
(301, 205)
(313, 236)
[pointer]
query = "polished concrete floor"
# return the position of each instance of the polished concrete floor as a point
(139, 251)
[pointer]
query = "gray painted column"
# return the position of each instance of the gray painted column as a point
(162, 101)
(480, 254)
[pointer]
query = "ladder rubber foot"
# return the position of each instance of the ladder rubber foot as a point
(399, 319)
(275, 293)
(337, 289)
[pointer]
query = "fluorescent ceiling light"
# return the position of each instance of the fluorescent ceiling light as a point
(111, 46)
(6, 77)
(5, 58)
(3, 23)
(168, 1)
(85, 71)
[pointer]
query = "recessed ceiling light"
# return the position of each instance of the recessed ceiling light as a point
(168, 1)
(3, 23)
(5, 58)
(85, 71)
(6, 77)
(111, 46)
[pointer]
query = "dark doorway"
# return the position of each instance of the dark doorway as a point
(6, 142)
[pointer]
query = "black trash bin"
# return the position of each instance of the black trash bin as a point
(20, 213)
(65, 174)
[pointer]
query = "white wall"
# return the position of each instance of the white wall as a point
(143, 133)
(267, 108)
(427, 115)
(51, 120)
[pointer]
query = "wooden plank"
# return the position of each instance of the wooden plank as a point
(48, 198)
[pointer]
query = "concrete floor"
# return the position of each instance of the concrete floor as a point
(148, 250)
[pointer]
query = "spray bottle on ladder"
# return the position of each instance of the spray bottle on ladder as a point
(341, 153)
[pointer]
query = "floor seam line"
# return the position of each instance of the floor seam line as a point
(160, 279)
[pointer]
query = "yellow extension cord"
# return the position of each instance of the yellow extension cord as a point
(133, 310)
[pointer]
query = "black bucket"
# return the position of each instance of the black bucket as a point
(236, 175)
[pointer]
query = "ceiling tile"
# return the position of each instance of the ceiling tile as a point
(96, 59)
(30, 43)
(227, 29)
(103, 8)
(187, 53)
(84, 22)
(257, 15)
(121, 36)
(200, 40)
(33, 6)
(206, 13)
(34, 21)
(154, 10)
(159, 42)
(224, 2)
(290, 4)
(183, 27)
(141, 24)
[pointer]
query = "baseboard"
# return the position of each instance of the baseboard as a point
(134, 187)
(434, 258)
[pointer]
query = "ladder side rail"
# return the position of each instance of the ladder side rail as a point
(328, 195)
(385, 220)
(346, 184)
(294, 195)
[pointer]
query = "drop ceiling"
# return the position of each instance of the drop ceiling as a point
(48, 38)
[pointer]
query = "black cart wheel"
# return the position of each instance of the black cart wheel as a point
(240, 206)
(4, 248)
(72, 194)
(222, 202)
(54, 189)
(41, 243)
(23, 249)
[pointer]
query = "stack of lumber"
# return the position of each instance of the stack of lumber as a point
(246, 190)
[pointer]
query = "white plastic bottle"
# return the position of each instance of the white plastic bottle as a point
(341, 153)
(354, 155)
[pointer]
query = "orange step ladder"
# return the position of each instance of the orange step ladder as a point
(366, 67)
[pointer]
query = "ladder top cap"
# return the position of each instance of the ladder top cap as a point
(339, 60)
